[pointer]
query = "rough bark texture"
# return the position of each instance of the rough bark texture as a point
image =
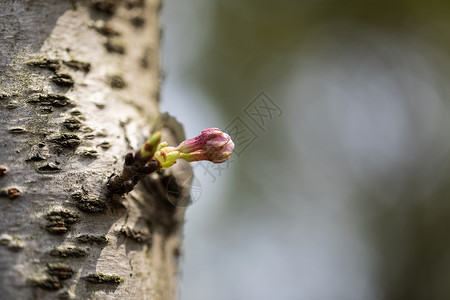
(79, 89)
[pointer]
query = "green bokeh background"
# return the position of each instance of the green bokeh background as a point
(346, 194)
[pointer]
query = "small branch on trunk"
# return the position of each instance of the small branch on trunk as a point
(212, 145)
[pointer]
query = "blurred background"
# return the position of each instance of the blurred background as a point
(340, 184)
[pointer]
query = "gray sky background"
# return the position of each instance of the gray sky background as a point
(328, 201)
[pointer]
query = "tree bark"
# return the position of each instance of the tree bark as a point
(79, 89)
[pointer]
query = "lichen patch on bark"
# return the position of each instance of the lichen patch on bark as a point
(60, 270)
(93, 239)
(60, 221)
(65, 252)
(101, 278)
(139, 235)
(88, 203)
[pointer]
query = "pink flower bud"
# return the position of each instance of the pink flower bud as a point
(212, 145)
(197, 143)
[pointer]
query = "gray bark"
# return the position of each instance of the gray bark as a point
(79, 89)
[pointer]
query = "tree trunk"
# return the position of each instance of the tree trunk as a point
(79, 89)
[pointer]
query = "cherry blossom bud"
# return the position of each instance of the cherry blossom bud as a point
(212, 145)
(210, 136)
